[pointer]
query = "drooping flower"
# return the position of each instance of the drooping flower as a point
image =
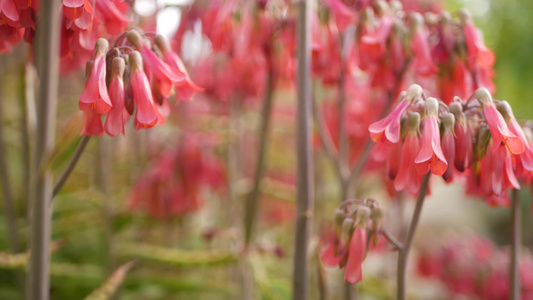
(92, 123)
(114, 124)
(356, 255)
(407, 174)
(146, 115)
(95, 94)
(498, 128)
(344, 16)
(422, 62)
(430, 157)
(526, 157)
(388, 128)
(463, 138)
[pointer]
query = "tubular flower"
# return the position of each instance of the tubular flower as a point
(92, 123)
(388, 129)
(185, 89)
(498, 128)
(448, 144)
(114, 124)
(356, 255)
(526, 157)
(430, 157)
(343, 15)
(147, 115)
(163, 74)
(407, 174)
(95, 94)
(422, 61)
(463, 138)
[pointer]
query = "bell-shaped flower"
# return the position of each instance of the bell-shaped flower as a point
(146, 115)
(186, 88)
(407, 174)
(463, 138)
(95, 94)
(114, 19)
(388, 128)
(166, 77)
(526, 157)
(114, 124)
(8, 9)
(498, 128)
(92, 123)
(356, 255)
(344, 16)
(422, 62)
(430, 157)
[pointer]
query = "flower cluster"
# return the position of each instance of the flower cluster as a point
(473, 267)
(372, 50)
(478, 138)
(173, 185)
(354, 220)
(83, 21)
(137, 72)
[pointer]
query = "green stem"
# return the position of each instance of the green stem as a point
(71, 164)
(47, 60)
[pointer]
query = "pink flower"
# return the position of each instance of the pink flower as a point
(8, 8)
(186, 88)
(407, 174)
(422, 61)
(498, 128)
(463, 138)
(95, 94)
(356, 255)
(448, 144)
(113, 18)
(343, 15)
(388, 128)
(114, 124)
(526, 157)
(147, 115)
(92, 123)
(430, 156)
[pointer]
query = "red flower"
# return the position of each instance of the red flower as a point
(448, 144)
(114, 124)
(422, 61)
(356, 256)
(95, 94)
(344, 16)
(147, 115)
(463, 138)
(407, 173)
(498, 128)
(525, 158)
(8, 9)
(92, 123)
(430, 156)
(114, 19)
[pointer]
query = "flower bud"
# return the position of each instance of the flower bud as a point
(377, 223)
(135, 60)
(134, 38)
(101, 46)
(362, 215)
(347, 226)
(456, 108)
(483, 96)
(482, 142)
(117, 67)
(464, 15)
(413, 121)
(396, 6)
(381, 7)
(414, 92)
(505, 109)
(431, 18)
(88, 68)
(162, 43)
(432, 107)
(417, 20)
(448, 120)
(339, 217)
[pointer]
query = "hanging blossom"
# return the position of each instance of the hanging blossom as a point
(140, 82)
(355, 220)
(175, 183)
(478, 139)
(82, 23)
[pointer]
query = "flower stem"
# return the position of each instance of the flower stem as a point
(71, 164)
(304, 154)
(516, 244)
(47, 61)
(404, 251)
(252, 201)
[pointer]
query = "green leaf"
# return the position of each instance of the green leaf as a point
(110, 286)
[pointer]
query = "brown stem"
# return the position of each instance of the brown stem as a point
(516, 244)
(252, 201)
(304, 154)
(47, 60)
(325, 137)
(404, 251)
(397, 244)
(71, 164)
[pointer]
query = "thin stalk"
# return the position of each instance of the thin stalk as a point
(404, 251)
(47, 60)
(252, 201)
(103, 186)
(71, 164)
(516, 244)
(304, 154)
(11, 217)
(25, 136)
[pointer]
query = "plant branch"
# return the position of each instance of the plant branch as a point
(71, 164)
(404, 251)
(325, 137)
(516, 244)
(304, 154)
(47, 61)
(397, 244)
